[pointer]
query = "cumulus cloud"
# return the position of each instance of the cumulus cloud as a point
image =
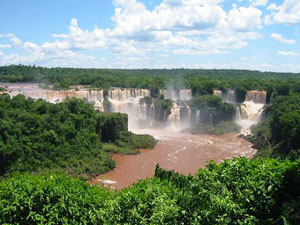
(178, 26)
(6, 35)
(5, 46)
(185, 27)
(278, 37)
(287, 53)
(259, 2)
(244, 19)
(16, 41)
(287, 12)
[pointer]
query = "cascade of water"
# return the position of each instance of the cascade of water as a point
(185, 95)
(198, 114)
(230, 96)
(174, 95)
(218, 93)
(238, 113)
(174, 117)
(180, 116)
(250, 111)
(256, 96)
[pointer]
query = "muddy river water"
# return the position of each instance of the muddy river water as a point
(177, 151)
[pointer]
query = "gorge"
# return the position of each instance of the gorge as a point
(164, 118)
(145, 112)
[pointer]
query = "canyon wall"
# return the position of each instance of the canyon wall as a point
(145, 112)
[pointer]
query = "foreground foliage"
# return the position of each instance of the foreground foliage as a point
(234, 192)
(36, 136)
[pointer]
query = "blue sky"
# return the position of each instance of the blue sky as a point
(240, 34)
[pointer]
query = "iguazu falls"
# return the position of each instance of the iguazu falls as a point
(176, 112)
(141, 108)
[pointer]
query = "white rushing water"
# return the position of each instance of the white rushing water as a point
(144, 114)
(250, 111)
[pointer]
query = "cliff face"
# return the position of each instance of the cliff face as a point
(129, 100)
(58, 96)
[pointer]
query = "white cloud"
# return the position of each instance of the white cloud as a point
(180, 26)
(5, 46)
(259, 2)
(187, 27)
(287, 53)
(256, 2)
(288, 12)
(56, 45)
(16, 41)
(31, 46)
(273, 6)
(244, 19)
(278, 37)
(6, 35)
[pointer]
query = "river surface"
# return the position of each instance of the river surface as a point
(177, 151)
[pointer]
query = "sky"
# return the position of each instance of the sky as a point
(207, 34)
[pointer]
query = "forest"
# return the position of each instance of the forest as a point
(200, 81)
(71, 136)
(48, 150)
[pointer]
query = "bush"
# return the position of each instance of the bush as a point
(26, 199)
(226, 127)
(220, 128)
(235, 192)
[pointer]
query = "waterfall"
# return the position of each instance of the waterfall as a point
(133, 102)
(227, 96)
(185, 95)
(230, 96)
(238, 115)
(250, 111)
(180, 116)
(198, 114)
(256, 96)
(174, 95)
(218, 93)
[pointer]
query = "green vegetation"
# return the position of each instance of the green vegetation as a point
(36, 136)
(212, 109)
(216, 117)
(234, 192)
(279, 135)
(220, 128)
(162, 107)
(71, 137)
(202, 82)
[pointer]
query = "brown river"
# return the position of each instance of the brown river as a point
(177, 151)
